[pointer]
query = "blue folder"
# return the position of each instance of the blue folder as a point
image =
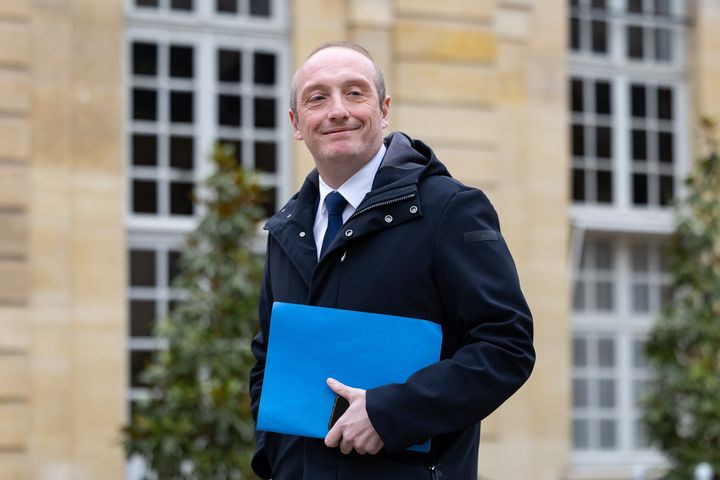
(362, 350)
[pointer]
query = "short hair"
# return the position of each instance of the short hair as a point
(378, 78)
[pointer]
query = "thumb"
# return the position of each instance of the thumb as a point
(339, 388)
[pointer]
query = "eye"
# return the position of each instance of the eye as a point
(355, 93)
(316, 98)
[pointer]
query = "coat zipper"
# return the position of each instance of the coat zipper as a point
(381, 204)
(433, 473)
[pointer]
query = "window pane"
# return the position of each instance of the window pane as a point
(637, 92)
(575, 33)
(144, 196)
(604, 256)
(604, 186)
(639, 145)
(640, 191)
(229, 110)
(236, 148)
(663, 44)
(181, 152)
(268, 203)
(144, 104)
(578, 140)
(604, 296)
(181, 107)
(639, 357)
(576, 86)
(142, 318)
(580, 392)
(265, 112)
(578, 185)
(173, 265)
(640, 256)
(146, 3)
(667, 190)
(598, 4)
(641, 440)
(142, 268)
(606, 352)
(264, 66)
(181, 198)
(186, 5)
(607, 434)
(144, 58)
(144, 150)
(665, 147)
(579, 352)
(662, 7)
(602, 98)
(603, 143)
(635, 45)
(635, 6)
(581, 434)
(260, 8)
(265, 157)
(181, 62)
(226, 6)
(641, 298)
(607, 393)
(599, 36)
(664, 100)
(139, 359)
(229, 66)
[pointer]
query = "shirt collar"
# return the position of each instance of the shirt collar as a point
(356, 187)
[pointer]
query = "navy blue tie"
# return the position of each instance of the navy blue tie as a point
(335, 204)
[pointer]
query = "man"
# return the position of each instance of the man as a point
(413, 242)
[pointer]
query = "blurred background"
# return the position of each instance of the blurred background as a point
(577, 118)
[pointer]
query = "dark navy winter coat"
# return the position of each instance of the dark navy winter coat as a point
(422, 245)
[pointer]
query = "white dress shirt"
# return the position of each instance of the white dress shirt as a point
(354, 190)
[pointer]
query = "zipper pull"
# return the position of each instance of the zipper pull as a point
(342, 259)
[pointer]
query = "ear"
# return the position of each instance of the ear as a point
(385, 109)
(296, 127)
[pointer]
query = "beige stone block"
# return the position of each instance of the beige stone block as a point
(14, 466)
(375, 13)
(14, 425)
(14, 138)
(14, 44)
(14, 91)
(14, 9)
(466, 9)
(448, 126)
(14, 329)
(13, 234)
(14, 185)
(462, 84)
(473, 166)
(15, 282)
(512, 24)
(379, 43)
(446, 41)
(15, 374)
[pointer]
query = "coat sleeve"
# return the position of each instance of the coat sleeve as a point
(260, 462)
(480, 292)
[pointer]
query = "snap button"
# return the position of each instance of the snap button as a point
(348, 233)
(413, 209)
(302, 234)
(289, 215)
(388, 218)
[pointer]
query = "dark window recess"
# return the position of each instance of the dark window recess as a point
(229, 69)
(146, 3)
(603, 103)
(663, 44)
(181, 152)
(173, 265)
(635, 42)
(665, 104)
(229, 110)
(144, 196)
(142, 268)
(265, 155)
(637, 94)
(181, 194)
(260, 8)
(183, 5)
(264, 112)
(666, 190)
(639, 145)
(144, 149)
(268, 202)
(665, 147)
(226, 6)
(264, 67)
(576, 86)
(662, 7)
(181, 107)
(144, 58)
(640, 190)
(575, 33)
(578, 140)
(635, 6)
(236, 148)
(181, 62)
(604, 186)
(578, 185)
(603, 142)
(142, 318)
(139, 360)
(144, 104)
(598, 4)
(599, 36)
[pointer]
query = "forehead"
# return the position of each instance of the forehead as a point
(334, 64)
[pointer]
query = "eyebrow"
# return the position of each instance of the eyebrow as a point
(319, 85)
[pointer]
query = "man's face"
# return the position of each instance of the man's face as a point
(339, 115)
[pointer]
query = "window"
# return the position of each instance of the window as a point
(589, 24)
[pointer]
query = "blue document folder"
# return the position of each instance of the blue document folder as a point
(362, 350)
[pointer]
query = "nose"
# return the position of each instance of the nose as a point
(338, 110)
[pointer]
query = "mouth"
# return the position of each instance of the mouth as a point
(333, 131)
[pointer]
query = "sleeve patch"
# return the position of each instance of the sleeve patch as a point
(480, 236)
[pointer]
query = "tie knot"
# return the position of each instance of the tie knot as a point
(335, 203)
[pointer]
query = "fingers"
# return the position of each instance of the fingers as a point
(340, 388)
(332, 439)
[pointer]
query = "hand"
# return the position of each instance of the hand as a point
(353, 430)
